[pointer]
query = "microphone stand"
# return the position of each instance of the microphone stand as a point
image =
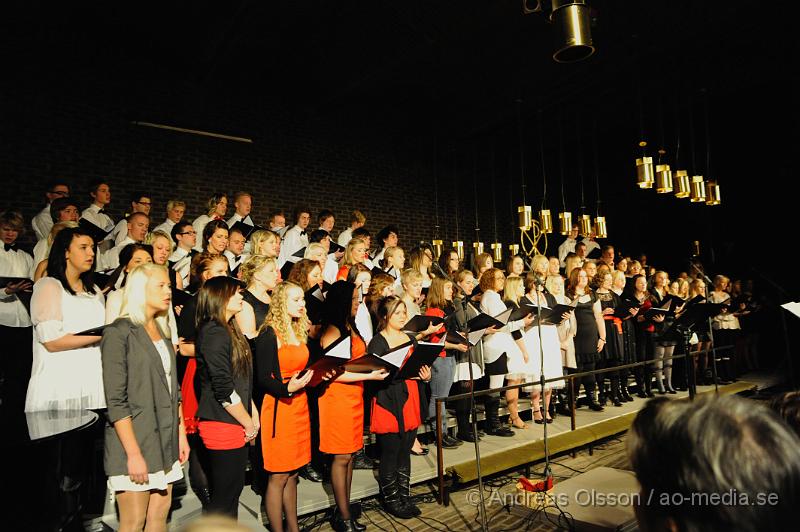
(709, 283)
(473, 410)
(547, 472)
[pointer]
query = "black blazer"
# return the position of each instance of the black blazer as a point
(136, 387)
(215, 374)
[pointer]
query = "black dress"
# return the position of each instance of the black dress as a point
(614, 349)
(260, 308)
(587, 335)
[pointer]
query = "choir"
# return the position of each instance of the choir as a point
(270, 345)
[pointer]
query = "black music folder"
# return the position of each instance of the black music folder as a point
(5, 281)
(97, 233)
(94, 331)
(332, 359)
(246, 229)
(421, 322)
(371, 362)
(423, 355)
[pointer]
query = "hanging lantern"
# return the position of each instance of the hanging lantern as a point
(546, 221)
(683, 186)
(585, 222)
(458, 245)
(438, 247)
(712, 193)
(513, 249)
(600, 229)
(564, 223)
(698, 189)
(477, 248)
(663, 179)
(525, 215)
(497, 251)
(644, 172)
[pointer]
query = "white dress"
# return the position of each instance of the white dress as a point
(494, 345)
(550, 347)
(64, 380)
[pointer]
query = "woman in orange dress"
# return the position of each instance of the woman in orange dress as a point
(281, 354)
(354, 253)
(341, 403)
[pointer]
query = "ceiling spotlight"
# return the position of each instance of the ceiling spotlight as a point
(573, 34)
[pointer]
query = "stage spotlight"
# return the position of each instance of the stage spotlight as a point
(572, 31)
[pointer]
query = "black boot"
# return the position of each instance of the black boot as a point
(339, 524)
(625, 394)
(309, 473)
(204, 494)
(404, 484)
(493, 425)
(392, 500)
(616, 393)
(362, 461)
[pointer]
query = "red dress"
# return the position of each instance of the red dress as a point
(290, 447)
(341, 411)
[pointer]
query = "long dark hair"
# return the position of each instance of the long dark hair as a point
(299, 273)
(57, 260)
(212, 299)
(211, 228)
(386, 307)
(336, 311)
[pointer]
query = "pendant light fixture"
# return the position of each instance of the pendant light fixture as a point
(458, 244)
(713, 196)
(564, 217)
(698, 186)
(644, 164)
(600, 227)
(496, 246)
(438, 244)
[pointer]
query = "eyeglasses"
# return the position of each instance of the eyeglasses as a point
(142, 202)
(188, 233)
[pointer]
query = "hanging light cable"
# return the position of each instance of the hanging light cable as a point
(565, 216)
(644, 164)
(438, 245)
(585, 220)
(698, 194)
(683, 186)
(600, 228)
(524, 211)
(712, 187)
(663, 171)
(477, 246)
(458, 244)
(545, 217)
(497, 246)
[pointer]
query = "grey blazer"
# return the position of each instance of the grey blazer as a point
(136, 387)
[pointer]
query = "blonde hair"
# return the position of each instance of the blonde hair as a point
(571, 263)
(312, 247)
(554, 284)
(134, 297)
(540, 260)
(151, 238)
(278, 317)
(410, 275)
(435, 297)
(511, 290)
(253, 264)
(347, 260)
(57, 227)
(260, 238)
(618, 274)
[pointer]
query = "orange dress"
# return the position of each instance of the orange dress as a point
(290, 446)
(341, 411)
(341, 275)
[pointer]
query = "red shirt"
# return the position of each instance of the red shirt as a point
(439, 313)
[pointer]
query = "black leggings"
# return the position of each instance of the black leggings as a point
(586, 362)
(395, 452)
(227, 479)
(645, 350)
(199, 467)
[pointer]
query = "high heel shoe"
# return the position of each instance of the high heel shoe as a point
(513, 422)
(423, 452)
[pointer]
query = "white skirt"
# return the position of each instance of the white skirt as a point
(551, 347)
(155, 481)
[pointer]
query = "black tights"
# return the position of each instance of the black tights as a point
(342, 480)
(395, 452)
(227, 478)
(282, 500)
(198, 463)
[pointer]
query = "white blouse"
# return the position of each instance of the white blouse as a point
(13, 263)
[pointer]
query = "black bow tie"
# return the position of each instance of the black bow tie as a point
(101, 211)
(302, 233)
(9, 247)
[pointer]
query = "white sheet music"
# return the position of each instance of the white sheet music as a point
(340, 350)
(396, 358)
(793, 307)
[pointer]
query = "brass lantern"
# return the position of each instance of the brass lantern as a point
(458, 245)
(683, 188)
(525, 215)
(712, 193)
(600, 228)
(564, 223)
(546, 221)
(663, 179)
(477, 248)
(573, 30)
(438, 247)
(497, 251)
(513, 249)
(698, 189)
(644, 172)
(585, 222)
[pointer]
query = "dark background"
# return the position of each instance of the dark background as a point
(387, 107)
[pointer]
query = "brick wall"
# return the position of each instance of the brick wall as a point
(329, 161)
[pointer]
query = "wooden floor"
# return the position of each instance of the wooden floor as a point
(313, 498)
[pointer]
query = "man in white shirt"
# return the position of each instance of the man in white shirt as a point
(42, 223)
(139, 203)
(138, 223)
(61, 210)
(243, 203)
(326, 220)
(235, 252)
(185, 238)
(357, 219)
(95, 213)
(386, 237)
(568, 245)
(295, 238)
(277, 223)
(175, 211)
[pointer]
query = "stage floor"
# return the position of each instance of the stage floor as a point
(497, 454)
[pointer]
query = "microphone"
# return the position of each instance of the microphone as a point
(538, 279)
